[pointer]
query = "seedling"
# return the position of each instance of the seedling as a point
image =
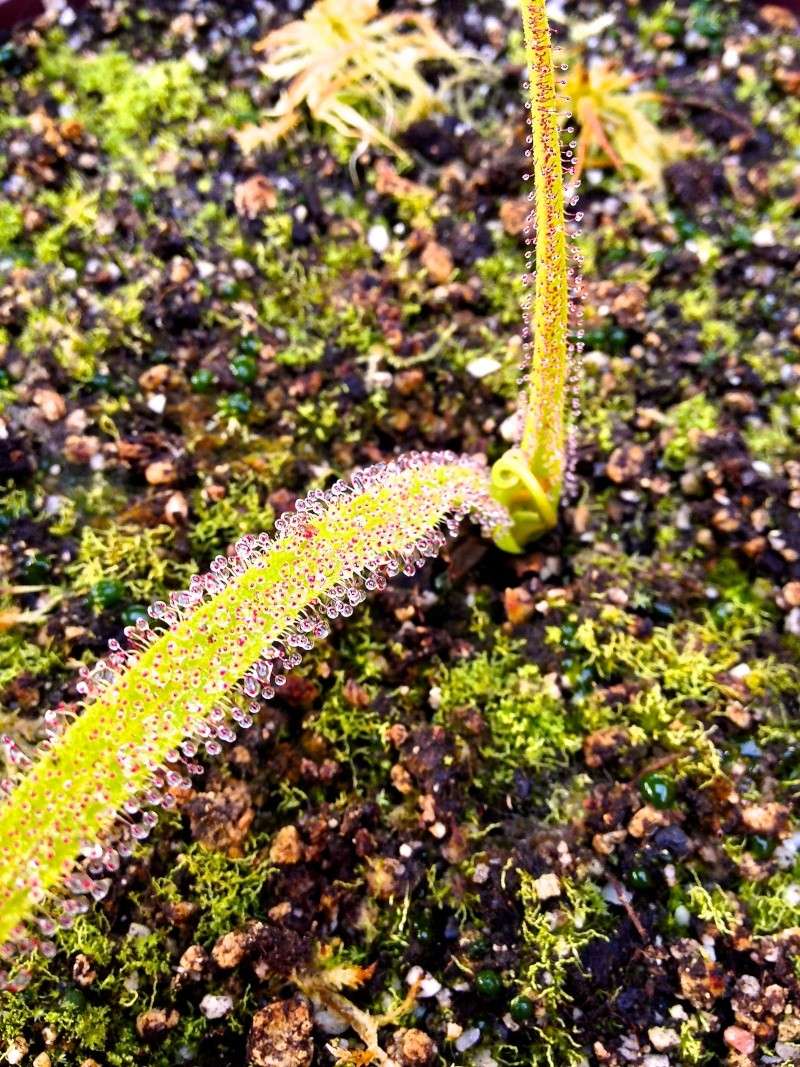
(191, 673)
(347, 65)
(615, 129)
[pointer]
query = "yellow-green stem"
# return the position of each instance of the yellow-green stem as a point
(528, 479)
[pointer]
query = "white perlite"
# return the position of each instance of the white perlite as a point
(547, 886)
(215, 1007)
(482, 366)
(378, 238)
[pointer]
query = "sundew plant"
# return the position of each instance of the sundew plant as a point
(192, 675)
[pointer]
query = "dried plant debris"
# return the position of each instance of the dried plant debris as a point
(355, 70)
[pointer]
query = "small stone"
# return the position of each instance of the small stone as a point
(791, 594)
(768, 818)
(378, 238)
(602, 745)
(468, 1039)
(547, 886)
(287, 847)
(330, 1022)
(159, 376)
(428, 987)
(42, 1060)
(438, 262)
(180, 270)
(482, 366)
(281, 1035)
(740, 1040)
(646, 820)
(50, 403)
(401, 779)
(83, 971)
(625, 464)
(412, 1048)
(154, 1024)
(663, 1038)
(408, 382)
(176, 509)
(80, 449)
(682, 915)
(157, 403)
(215, 1007)
(17, 1050)
(161, 472)
(779, 17)
(519, 605)
(764, 237)
(193, 962)
(230, 950)
(514, 215)
(254, 196)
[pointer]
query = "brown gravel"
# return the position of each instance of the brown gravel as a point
(281, 1035)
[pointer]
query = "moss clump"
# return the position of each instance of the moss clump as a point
(355, 733)
(553, 942)
(774, 903)
(226, 890)
(11, 225)
(19, 655)
(528, 724)
(242, 510)
(689, 420)
(140, 558)
(122, 102)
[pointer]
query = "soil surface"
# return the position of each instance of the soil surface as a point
(518, 810)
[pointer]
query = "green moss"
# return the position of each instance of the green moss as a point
(62, 327)
(692, 417)
(553, 942)
(20, 655)
(680, 674)
(529, 727)
(356, 735)
(719, 335)
(242, 510)
(11, 225)
(140, 558)
(714, 906)
(227, 891)
(772, 905)
(122, 102)
(692, 1047)
(776, 438)
(75, 210)
(501, 280)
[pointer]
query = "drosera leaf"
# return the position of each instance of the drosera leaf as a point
(79, 806)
